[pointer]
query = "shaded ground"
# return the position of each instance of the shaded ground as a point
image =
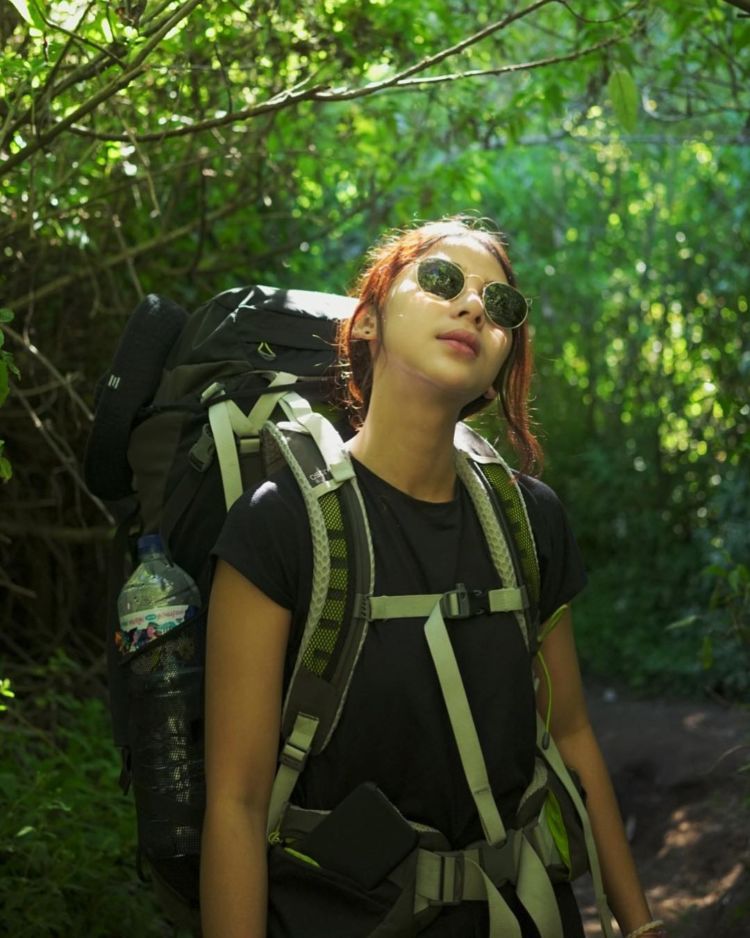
(675, 766)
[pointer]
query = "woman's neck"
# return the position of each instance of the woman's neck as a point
(410, 447)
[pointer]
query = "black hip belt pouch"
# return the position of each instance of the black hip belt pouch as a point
(364, 838)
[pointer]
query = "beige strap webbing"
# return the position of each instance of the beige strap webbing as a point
(547, 745)
(462, 723)
(476, 873)
(419, 606)
(292, 760)
(536, 894)
(229, 426)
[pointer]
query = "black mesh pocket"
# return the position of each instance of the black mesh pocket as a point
(165, 702)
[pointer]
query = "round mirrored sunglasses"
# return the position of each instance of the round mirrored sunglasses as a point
(503, 304)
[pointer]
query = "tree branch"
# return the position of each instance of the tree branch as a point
(60, 282)
(55, 532)
(741, 5)
(135, 68)
(60, 380)
(324, 94)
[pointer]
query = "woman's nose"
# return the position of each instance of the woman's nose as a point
(472, 306)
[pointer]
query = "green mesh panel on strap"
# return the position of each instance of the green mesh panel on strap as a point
(510, 500)
(322, 643)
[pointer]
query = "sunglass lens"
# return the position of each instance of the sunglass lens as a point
(505, 305)
(440, 277)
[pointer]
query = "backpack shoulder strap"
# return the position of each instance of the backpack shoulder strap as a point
(343, 573)
(502, 513)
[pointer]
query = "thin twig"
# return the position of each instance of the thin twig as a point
(67, 460)
(61, 380)
(53, 532)
(60, 282)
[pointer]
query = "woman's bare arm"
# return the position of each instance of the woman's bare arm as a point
(577, 743)
(246, 645)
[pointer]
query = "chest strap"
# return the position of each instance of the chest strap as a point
(459, 603)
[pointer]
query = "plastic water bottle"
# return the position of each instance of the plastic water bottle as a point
(158, 597)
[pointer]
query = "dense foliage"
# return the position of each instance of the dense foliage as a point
(184, 147)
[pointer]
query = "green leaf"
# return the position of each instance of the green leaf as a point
(30, 12)
(6, 472)
(623, 94)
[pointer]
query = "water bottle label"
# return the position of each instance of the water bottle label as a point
(139, 628)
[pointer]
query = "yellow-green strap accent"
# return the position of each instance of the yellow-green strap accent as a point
(419, 606)
(462, 723)
(292, 760)
(551, 753)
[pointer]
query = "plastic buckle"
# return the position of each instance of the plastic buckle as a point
(293, 756)
(214, 391)
(202, 452)
(461, 602)
(451, 880)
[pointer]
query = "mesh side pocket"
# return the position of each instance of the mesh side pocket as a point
(165, 698)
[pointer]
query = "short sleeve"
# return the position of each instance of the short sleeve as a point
(265, 537)
(561, 568)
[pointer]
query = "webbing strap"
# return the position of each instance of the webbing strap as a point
(547, 745)
(330, 445)
(291, 762)
(503, 923)
(534, 890)
(418, 606)
(219, 417)
(264, 406)
(476, 873)
(462, 723)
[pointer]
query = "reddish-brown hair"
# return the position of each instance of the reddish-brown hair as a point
(385, 262)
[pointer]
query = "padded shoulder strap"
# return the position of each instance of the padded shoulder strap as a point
(490, 481)
(343, 573)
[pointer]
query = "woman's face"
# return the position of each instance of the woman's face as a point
(448, 345)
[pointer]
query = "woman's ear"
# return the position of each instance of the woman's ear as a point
(365, 326)
(491, 393)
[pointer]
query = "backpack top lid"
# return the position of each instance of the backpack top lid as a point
(232, 324)
(160, 336)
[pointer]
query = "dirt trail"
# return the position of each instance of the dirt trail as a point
(675, 766)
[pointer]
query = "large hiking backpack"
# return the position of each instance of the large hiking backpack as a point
(181, 392)
(194, 410)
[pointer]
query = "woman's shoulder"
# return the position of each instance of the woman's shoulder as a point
(538, 496)
(278, 493)
(548, 517)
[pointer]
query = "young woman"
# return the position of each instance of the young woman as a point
(438, 334)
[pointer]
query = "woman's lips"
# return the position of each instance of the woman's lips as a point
(463, 342)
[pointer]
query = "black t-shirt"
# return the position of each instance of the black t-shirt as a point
(394, 729)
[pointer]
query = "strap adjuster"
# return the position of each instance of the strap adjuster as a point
(445, 874)
(293, 756)
(202, 452)
(461, 602)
